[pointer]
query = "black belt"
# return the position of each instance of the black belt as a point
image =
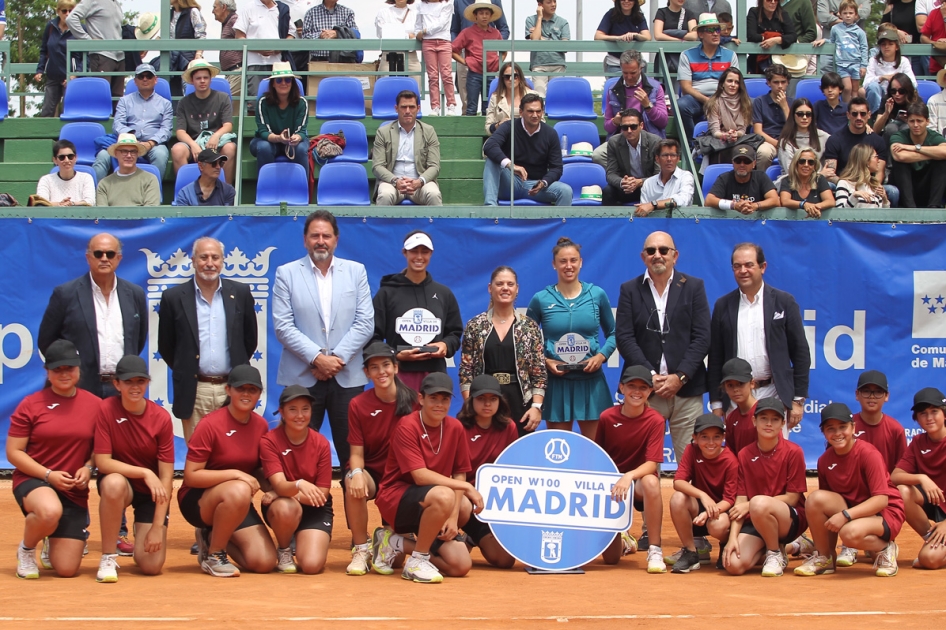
(213, 380)
(763, 383)
(505, 378)
(107, 377)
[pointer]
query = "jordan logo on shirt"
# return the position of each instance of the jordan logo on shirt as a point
(286, 452)
(375, 412)
(120, 420)
(433, 297)
(229, 433)
(52, 406)
(831, 467)
(475, 438)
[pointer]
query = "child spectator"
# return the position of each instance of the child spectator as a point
(882, 67)
(831, 113)
(850, 53)
(433, 29)
(726, 29)
(470, 42)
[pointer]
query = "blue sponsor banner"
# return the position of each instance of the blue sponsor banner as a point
(872, 296)
(548, 500)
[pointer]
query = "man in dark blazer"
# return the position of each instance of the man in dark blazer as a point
(76, 306)
(663, 323)
(780, 365)
(632, 158)
(200, 364)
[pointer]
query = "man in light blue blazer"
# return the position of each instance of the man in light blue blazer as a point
(323, 317)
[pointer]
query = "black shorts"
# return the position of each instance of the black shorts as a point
(190, 510)
(409, 510)
(74, 519)
(143, 505)
(749, 528)
(320, 518)
(700, 530)
(476, 530)
(933, 512)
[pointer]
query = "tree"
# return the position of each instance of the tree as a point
(26, 20)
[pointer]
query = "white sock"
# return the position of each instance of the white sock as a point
(363, 547)
(420, 556)
(25, 548)
(397, 541)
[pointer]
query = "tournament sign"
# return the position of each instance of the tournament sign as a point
(547, 499)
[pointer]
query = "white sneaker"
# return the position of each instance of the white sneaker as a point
(383, 553)
(44, 556)
(421, 570)
(885, 564)
(453, 110)
(26, 563)
(360, 560)
(801, 546)
(284, 563)
(655, 560)
(774, 563)
(628, 544)
(218, 565)
(435, 111)
(107, 569)
(847, 557)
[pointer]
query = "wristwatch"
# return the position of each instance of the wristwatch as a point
(917, 147)
(683, 378)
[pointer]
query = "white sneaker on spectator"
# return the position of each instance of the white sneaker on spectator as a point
(454, 110)
(435, 111)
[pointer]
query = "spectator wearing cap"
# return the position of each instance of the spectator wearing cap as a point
(460, 22)
(148, 116)
(323, 317)
(742, 319)
(468, 51)
(670, 188)
(204, 120)
(225, 12)
(208, 189)
(281, 117)
(407, 158)
(320, 22)
(262, 19)
(53, 64)
(743, 189)
(920, 476)
(129, 185)
(631, 158)
(101, 19)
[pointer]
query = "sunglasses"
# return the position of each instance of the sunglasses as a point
(712, 31)
(859, 114)
(66, 156)
(65, 11)
(742, 161)
(508, 77)
(806, 162)
(629, 127)
(663, 249)
(901, 91)
(110, 254)
(145, 76)
(803, 114)
(279, 80)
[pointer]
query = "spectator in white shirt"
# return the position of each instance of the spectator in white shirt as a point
(669, 188)
(66, 187)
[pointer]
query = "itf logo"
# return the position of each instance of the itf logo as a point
(178, 269)
(929, 304)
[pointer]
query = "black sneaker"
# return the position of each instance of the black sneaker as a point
(689, 561)
(194, 549)
(719, 559)
(644, 541)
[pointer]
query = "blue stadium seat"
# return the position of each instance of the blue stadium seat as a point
(604, 93)
(569, 98)
(282, 182)
(584, 174)
(522, 202)
(384, 98)
(341, 98)
(151, 168)
(81, 168)
(712, 172)
(756, 87)
(810, 89)
(356, 140)
(494, 84)
(343, 184)
(927, 89)
(578, 131)
(87, 99)
(4, 101)
(774, 172)
(161, 86)
(699, 129)
(188, 175)
(264, 86)
(217, 83)
(83, 135)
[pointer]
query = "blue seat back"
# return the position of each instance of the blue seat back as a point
(927, 89)
(570, 98)
(81, 168)
(607, 89)
(756, 87)
(4, 101)
(343, 184)
(356, 139)
(83, 135)
(581, 174)
(712, 172)
(87, 99)
(282, 182)
(161, 87)
(189, 174)
(774, 172)
(810, 89)
(341, 98)
(384, 97)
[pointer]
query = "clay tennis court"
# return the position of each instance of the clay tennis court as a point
(624, 596)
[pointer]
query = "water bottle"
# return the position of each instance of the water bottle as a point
(565, 146)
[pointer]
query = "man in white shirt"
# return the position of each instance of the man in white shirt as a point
(259, 19)
(937, 105)
(762, 325)
(407, 158)
(671, 187)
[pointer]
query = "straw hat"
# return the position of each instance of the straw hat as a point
(470, 10)
(707, 19)
(149, 26)
(199, 64)
(282, 69)
(591, 192)
(941, 78)
(795, 64)
(128, 140)
(581, 148)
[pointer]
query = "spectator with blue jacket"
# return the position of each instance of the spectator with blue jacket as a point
(208, 189)
(52, 58)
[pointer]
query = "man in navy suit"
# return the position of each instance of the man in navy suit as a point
(762, 325)
(205, 328)
(323, 317)
(663, 323)
(103, 315)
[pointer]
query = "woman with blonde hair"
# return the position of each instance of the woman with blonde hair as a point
(804, 187)
(504, 102)
(860, 185)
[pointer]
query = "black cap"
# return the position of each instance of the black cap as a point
(210, 156)
(292, 392)
(244, 375)
(773, 404)
(736, 369)
(926, 397)
(836, 411)
(377, 349)
(131, 366)
(708, 421)
(873, 377)
(60, 353)
(436, 383)
(485, 384)
(637, 373)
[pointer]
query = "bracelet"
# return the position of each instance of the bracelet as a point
(46, 478)
(847, 516)
(537, 406)
(298, 481)
(353, 472)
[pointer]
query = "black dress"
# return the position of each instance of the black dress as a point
(499, 357)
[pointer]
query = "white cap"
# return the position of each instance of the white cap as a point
(416, 240)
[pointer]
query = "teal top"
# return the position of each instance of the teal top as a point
(271, 119)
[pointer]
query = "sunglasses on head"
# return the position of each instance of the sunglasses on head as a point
(279, 80)
(742, 161)
(803, 114)
(631, 127)
(859, 114)
(663, 249)
(110, 254)
(806, 162)
(66, 156)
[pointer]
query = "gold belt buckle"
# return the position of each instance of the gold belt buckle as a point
(504, 378)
